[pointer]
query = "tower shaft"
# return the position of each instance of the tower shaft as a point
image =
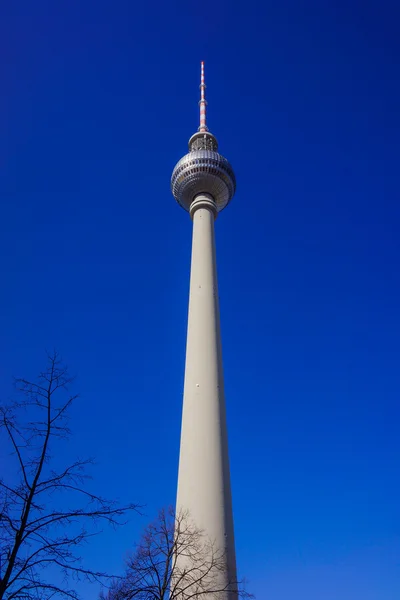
(204, 488)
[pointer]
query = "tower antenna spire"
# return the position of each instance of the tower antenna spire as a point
(203, 103)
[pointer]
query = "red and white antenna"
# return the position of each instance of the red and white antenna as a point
(203, 127)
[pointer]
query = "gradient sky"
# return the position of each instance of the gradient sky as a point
(98, 101)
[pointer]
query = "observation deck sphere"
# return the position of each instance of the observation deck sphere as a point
(203, 172)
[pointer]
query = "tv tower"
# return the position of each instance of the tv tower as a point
(203, 183)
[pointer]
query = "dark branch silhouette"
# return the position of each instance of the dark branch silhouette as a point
(174, 561)
(35, 533)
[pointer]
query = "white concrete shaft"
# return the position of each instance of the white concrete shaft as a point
(204, 481)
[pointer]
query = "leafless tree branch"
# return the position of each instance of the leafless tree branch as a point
(174, 561)
(34, 533)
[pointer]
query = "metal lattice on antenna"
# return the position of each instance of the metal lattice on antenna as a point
(203, 103)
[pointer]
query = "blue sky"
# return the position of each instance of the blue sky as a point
(98, 101)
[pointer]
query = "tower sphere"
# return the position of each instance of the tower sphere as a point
(203, 170)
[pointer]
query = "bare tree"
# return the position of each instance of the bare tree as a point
(37, 532)
(174, 561)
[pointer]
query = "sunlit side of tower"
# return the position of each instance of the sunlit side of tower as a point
(203, 183)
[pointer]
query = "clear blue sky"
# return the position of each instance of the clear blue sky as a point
(98, 101)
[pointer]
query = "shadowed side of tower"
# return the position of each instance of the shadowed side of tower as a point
(203, 183)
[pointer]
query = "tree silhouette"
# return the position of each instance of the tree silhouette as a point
(174, 560)
(37, 532)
